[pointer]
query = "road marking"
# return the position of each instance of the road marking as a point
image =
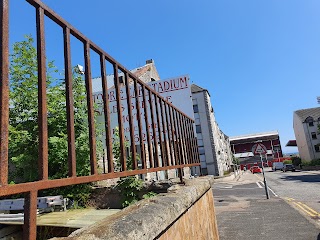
(309, 208)
(258, 185)
(273, 192)
(303, 209)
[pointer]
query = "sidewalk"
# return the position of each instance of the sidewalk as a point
(243, 212)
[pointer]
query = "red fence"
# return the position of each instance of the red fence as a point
(172, 147)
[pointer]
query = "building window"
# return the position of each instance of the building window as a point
(204, 171)
(195, 108)
(314, 135)
(317, 148)
(201, 150)
(311, 124)
(198, 129)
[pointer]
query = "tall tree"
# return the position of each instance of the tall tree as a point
(24, 141)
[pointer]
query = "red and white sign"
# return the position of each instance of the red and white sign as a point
(259, 148)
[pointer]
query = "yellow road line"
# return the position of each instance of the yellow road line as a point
(303, 209)
(309, 208)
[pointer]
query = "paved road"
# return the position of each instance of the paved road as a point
(301, 189)
(243, 212)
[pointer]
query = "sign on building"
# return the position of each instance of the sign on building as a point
(175, 90)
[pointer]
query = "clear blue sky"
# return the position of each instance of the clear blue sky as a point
(260, 60)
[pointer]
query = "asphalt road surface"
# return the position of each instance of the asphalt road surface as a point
(243, 212)
(301, 189)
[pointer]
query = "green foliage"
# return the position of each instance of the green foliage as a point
(287, 162)
(313, 162)
(149, 195)
(23, 130)
(235, 160)
(129, 188)
(296, 161)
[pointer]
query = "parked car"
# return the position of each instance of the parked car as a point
(256, 169)
(277, 166)
(288, 167)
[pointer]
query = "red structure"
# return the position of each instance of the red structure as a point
(241, 147)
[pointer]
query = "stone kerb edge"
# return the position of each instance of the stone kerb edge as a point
(148, 218)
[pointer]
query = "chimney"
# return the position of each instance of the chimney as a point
(149, 61)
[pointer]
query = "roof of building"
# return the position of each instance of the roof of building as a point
(309, 112)
(291, 143)
(254, 135)
(195, 89)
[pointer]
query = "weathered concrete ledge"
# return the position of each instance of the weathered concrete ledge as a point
(149, 218)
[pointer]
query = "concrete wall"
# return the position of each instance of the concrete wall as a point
(185, 212)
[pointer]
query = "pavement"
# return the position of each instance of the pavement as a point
(244, 212)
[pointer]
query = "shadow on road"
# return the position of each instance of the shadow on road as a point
(303, 178)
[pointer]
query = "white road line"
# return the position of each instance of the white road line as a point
(258, 184)
(270, 190)
(273, 192)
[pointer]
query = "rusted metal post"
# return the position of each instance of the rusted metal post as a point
(30, 216)
(120, 122)
(107, 124)
(69, 101)
(133, 145)
(146, 115)
(92, 134)
(4, 92)
(139, 119)
(42, 96)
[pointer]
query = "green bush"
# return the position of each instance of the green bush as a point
(287, 162)
(296, 161)
(315, 162)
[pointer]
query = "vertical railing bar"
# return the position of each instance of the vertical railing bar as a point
(146, 116)
(179, 140)
(170, 135)
(155, 142)
(42, 97)
(196, 148)
(30, 216)
(142, 145)
(187, 137)
(185, 134)
(184, 139)
(72, 172)
(107, 124)
(92, 135)
(178, 146)
(181, 145)
(133, 145)
(156, 99)
(4, 92)
(192, 142)
(174, 136)
(165, 131)
(119, 108)
(189, 127)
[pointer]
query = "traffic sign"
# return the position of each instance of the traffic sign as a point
(258, 149)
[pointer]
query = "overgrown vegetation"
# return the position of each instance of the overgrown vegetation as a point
(287, 162)
(23, 130)
(296, 161)
(131, 186)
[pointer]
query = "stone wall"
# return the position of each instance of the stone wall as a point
(185, 212)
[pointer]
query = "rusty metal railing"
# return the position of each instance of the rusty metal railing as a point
(170, 142)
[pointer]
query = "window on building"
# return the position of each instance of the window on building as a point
(204, 171)
(317, 148)
(309, 120)
(201, 150)
(200, 143)
(195, 108)
(314, 135)
(198, 129)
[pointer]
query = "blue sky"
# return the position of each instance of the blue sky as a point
(260, 60)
